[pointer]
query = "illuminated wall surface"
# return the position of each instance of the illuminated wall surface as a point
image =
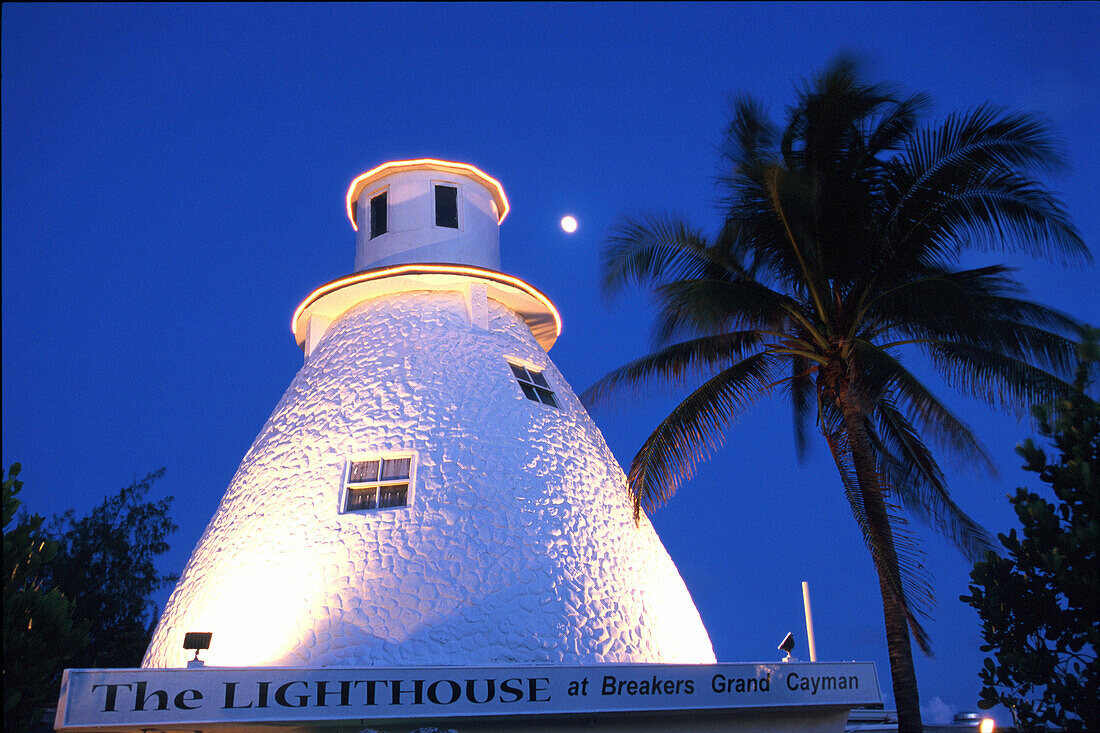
(517, 544)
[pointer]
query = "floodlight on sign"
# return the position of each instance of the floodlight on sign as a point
(197, 640)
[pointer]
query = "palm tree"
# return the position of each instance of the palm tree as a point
(839, 252)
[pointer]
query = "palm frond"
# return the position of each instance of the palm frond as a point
(802, 391)
(1004, 212)
(713, 306)
(889, 383)
(895, 128)
(750, 137)
(986, 136)
(968, 182)
(929, 308)
(793, 257)
(826, 123)
(910, 285)
(674, 364)
(920, 483)
(993, 376)
(693, 430)
(653, 250)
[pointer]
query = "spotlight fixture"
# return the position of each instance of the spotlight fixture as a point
(196, 640)
(786, 646)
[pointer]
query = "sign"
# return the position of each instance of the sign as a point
(152, 698)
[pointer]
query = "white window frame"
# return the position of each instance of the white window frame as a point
(458, 204)
(531, 382)
(348, 485)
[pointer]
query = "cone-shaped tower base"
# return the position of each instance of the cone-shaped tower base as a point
(516, 541)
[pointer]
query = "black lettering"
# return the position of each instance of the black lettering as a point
(323, 692)
(371, 685)
(689, 686)
(182, 699)
(111, 697)
(263, 688)
(535, 689)
(608, 685)
(231, 697)
(456, 692)
(280, 695)
(794, 676)
(490, 690)
(140, 698)
(766, 683)
(632, 687)
(417, 692)
(509, 686)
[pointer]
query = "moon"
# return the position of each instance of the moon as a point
(568, 224)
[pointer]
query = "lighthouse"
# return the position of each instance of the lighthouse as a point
(430, 530)
(429, 490)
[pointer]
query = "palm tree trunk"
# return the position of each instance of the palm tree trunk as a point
(902, 673)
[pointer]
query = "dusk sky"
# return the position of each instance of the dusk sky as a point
(173, 187)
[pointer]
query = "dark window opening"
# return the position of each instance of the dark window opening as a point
(534, 385)
(359, 499)
(446, 207)
(378, 215)
(392, 495)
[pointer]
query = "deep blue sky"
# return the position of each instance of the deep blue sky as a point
(173, 182)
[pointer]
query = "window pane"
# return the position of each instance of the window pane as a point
(529, 391)
(519, 371)
(446, 206)
(538, 379)
(359, 499)
(363, 471)
(395, 468)
(547, 397)
(392, 495)
(378, 215)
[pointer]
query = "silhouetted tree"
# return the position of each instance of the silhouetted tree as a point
(39, 634)
(1040, 605)
(838, 253)
(106, 566)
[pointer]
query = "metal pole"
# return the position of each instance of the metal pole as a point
(809, 620)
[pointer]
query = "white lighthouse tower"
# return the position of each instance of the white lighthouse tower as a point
(429, 490)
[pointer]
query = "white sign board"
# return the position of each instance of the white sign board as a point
(154, 698)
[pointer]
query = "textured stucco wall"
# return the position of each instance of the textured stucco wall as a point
(518, 545)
